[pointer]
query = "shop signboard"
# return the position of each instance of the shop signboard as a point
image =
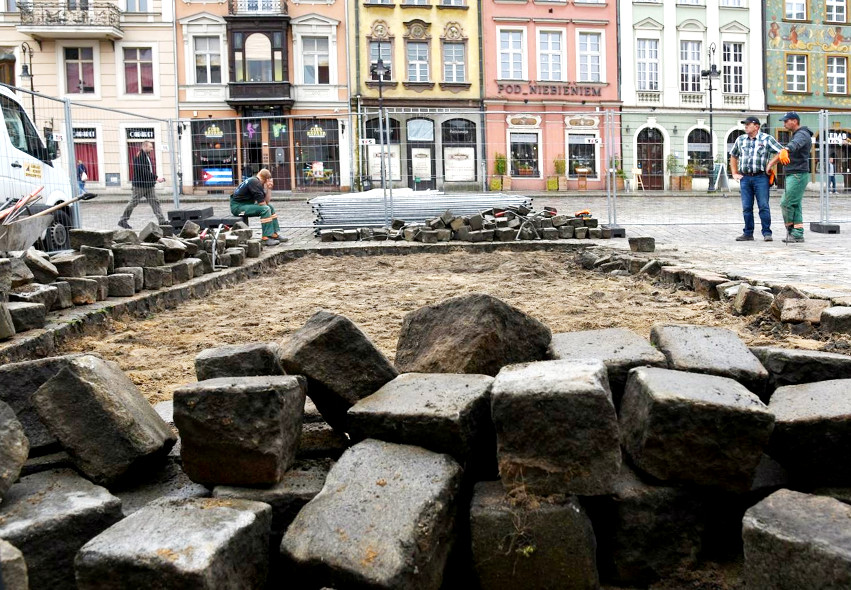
(393, 152)
(421, 162)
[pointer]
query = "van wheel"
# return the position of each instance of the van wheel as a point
(57, 237)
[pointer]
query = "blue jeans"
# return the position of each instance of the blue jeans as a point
(831, 182)
(755, 186)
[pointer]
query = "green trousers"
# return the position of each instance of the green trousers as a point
(790, 203)
(266, 213)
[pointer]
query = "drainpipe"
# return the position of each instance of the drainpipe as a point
(484, 144)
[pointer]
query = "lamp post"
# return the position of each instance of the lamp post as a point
(709, 74)
(26, 71)
(380, 70)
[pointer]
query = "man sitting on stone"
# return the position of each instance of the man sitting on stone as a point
(252, 197)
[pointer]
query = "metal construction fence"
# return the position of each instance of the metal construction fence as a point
(623, 164)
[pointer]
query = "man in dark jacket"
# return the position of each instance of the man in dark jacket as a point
(252, 197)
(144, 180)
(796, 158)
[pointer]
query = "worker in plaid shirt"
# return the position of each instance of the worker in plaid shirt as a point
(749, 162)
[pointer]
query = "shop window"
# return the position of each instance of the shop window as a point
(524, 154)
(582, 155)
(699, 152)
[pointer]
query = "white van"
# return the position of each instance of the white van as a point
(27, 164)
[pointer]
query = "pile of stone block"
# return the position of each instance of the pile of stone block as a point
(785, 304)
(107, 263)
(491, 454)
(491, 225)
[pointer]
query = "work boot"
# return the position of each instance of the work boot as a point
(790, 239)
(744, 238)
(124, 224)
(269, 242)
(768, 238)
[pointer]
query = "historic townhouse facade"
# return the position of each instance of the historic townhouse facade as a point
(429, 53)
(552, 72)
(264, 85)
(114, 55)
(807, 55)
(667, 102)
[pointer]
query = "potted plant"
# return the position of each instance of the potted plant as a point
(620, 175)
(525, 170)
(500, 180)
(685, 181)
(560, 165)
(675, 170)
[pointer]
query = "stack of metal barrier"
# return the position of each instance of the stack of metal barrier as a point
(372, 209)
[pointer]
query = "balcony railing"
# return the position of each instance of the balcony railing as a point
(691, 98)
(253, 7)
(646, 96)
(60, 14)
(254, 92)
(735, 100)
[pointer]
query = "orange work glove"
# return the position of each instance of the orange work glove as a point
(784, 156)
(771, 177)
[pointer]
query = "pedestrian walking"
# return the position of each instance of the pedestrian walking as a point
(143, 182)
(831, 175)
(796, 158)
(252, 197)
(749, 159)
(82, 176)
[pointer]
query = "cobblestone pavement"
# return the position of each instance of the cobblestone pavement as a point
(698, 230)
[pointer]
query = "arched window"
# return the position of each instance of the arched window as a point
(699, 152)
(372, 131)
(458, 131)
(650, 159)
(731, 140)
(258, 58)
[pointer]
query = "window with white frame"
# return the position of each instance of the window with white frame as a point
(137, 6)
(590, 57)
(511, 55)
(836, 11)
(550, 58)
(733, 3)
(417, 2)
(138, 70)
(581, 154)
(796, 9)
(417, 61)
(694, 2)
(380, 50)
(317, 68)
(453, 2)
(454, 62)
(733, 67)
(647, 64)
(208, 60)
(524, 154)
(79, 70)
(796, 73)
(837, 74)
(690, 66)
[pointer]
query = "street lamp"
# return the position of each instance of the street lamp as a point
(26, 71)
(380, 70)
(709, 74)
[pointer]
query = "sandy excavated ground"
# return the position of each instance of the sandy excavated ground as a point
(377, 291)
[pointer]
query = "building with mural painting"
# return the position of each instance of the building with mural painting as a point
(807, 48)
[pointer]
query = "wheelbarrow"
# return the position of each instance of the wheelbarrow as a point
(23, 232)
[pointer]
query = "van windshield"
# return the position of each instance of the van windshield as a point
(22, 134)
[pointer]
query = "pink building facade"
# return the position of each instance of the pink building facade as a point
(551, 73)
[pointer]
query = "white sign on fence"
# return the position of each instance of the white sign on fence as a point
(367, 141)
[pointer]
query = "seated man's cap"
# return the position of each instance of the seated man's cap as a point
(750, 120)
(790, 115)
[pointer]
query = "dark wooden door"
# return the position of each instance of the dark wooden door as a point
(650, 158)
